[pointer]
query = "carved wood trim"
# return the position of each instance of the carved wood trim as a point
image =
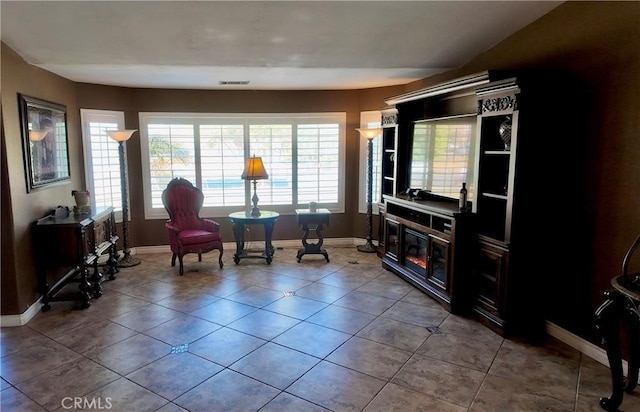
(389, 116)
(498, 104)
(389, 120)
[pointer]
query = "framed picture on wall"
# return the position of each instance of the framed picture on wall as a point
(44, 142)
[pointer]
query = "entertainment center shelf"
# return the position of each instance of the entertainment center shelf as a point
(495, 196)
(389, 147)
(434, 214)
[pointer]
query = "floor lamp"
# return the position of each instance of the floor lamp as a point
(122, 136)
(369, 134)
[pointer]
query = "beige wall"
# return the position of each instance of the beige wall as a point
(132, 101)
(594, 44)
(18, 77)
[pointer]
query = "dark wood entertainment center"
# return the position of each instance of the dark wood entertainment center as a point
(470, 261)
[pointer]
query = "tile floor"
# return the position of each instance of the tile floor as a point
(353, 337)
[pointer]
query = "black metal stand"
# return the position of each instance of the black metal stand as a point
(239, 220)
(369, 246)
(313, 222)
(126, 260)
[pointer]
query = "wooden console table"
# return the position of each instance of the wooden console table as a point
(239, 220)
(308, 218)
(622, 306)
(72, 244)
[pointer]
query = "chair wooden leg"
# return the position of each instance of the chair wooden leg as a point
(199, 257)
(173, 260)
(181, 271)
(220, 259)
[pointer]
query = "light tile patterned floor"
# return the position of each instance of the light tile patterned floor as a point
(311, 336)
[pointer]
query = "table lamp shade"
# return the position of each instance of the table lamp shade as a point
(254, 169)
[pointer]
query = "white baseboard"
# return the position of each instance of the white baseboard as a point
(336, 242)
(593, 351)
(23, 318)
(140, 250)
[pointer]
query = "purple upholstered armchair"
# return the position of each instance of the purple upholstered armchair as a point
(188, 232)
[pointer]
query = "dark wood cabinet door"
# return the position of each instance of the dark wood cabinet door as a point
(490, 279)
(438, 263)
(392, 239)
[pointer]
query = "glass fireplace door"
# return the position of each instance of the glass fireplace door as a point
(427, 256)
(438, 262)
(416, 246)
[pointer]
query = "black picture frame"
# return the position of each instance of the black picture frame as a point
(44, 142)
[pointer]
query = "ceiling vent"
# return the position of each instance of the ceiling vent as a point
(233, 82)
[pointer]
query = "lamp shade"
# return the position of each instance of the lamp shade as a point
(37, 135)
(121, 135)
(254, 169)
(370, 133)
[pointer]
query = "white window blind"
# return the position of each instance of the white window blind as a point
(222, 162)
(302, 153)
(274, 143)
(420, 156)
(62, 164)
(440, 156)
(171, 153)
(318, 164)
(101, 158)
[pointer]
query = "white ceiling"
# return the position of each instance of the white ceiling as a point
(283, 45)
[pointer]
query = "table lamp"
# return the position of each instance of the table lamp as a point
(254, 170)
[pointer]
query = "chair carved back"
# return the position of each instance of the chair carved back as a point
(183, 202)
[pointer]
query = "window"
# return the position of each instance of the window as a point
(318, 166)
(370, 119)
(442, 155)
(274, 143)
(102, 161)
(302, 153)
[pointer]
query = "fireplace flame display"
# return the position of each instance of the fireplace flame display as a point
(416, 251)
(419, 261)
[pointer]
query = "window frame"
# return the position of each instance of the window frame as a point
(247, 119)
